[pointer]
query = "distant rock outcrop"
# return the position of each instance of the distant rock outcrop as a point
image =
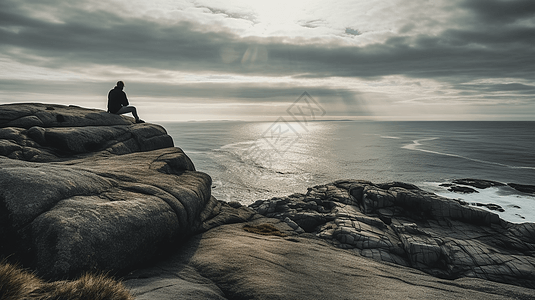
(483, 184)
(478, 183)
(83, 189)
(459, 189)
(524, 188)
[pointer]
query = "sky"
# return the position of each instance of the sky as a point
(250, 60)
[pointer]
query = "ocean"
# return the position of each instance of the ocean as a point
(249, 161)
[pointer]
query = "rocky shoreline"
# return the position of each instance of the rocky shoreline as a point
(83, 190)
(464, 186)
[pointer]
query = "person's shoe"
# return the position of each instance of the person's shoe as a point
(140, 121)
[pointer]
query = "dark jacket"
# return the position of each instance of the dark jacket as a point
(116, 100)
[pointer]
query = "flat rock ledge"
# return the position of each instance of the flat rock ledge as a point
(82, 190)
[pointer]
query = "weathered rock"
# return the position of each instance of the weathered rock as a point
(86, 190)
(81, 132)
(490, 206)
(462, 189)
(524, 188)
(222, 213)
(27, 115)
(478, 183)
(483, 184)
(170, 280)
(229, 263)
(411, 227)
(407, 186)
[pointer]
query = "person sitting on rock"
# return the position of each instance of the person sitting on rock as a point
(118, 103)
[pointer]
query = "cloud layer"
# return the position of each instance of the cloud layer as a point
(474, 51)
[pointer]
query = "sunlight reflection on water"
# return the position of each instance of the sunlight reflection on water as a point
(236, 154)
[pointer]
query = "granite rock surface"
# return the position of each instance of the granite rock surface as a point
(407, 226)
(85, 190)
(45, 133)
(349, 239)
(228, 262)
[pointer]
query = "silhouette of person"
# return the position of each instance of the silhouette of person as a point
(118, 103)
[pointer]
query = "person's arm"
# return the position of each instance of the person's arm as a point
(110, 102)
(125, 100)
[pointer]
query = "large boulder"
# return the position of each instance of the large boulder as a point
(84, 190)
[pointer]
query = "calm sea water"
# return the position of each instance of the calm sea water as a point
(249, 161)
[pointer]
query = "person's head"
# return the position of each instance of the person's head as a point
(120, 84)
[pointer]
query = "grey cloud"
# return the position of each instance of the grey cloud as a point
(98, 37)
(312, 23)
(352, 31)
(50, 87)
(136, 43)
(240, 92)
(500, 11)
(505, 37)
(518, 88)
(407, 28)
(337, 102)
(229, 14)
(106, 38)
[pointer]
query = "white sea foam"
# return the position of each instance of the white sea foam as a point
(519, 207)
(416, 143)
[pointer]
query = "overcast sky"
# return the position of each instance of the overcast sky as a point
(197, 60)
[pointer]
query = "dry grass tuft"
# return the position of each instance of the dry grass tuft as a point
(17, 284)
(265, 229)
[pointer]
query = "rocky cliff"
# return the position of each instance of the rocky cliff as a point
(83, 189)
(86, 190)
